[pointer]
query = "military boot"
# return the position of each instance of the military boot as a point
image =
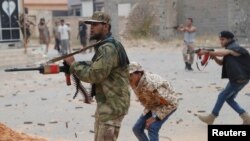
(246, 118)
(186, 65)
(209, 119)
(190, 67)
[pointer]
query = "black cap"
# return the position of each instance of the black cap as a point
(227, 34)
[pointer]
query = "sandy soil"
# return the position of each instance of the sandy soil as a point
(7, 134)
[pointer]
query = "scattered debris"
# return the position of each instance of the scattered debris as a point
(66, 124)
(248, 94)
(27, 122)
(43, 98)
(40, 124)
(179, 121)
(201, 111)
(179, 93)
(79, 107)
(8, 105)
(31, 91)
(179, 99)
(53, 122)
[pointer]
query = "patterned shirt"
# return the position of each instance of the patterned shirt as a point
(156, 95)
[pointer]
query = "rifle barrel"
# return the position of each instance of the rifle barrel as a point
(23, 69)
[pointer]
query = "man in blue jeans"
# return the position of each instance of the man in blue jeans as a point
(235, 67)
(158, 98)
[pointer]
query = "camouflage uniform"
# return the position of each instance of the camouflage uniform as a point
(109, 73)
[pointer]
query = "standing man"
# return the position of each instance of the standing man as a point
(25, 24)
(158, 98)
(235, 67)
(108, 73)
(82, 33)
(44, 35)
(189, 38)
(64, 34)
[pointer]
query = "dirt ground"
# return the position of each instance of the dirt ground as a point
(7, 134)
(42, 105)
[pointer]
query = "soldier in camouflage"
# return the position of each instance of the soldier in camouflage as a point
(158, 98)
(108, 73)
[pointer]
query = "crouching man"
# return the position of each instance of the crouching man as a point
(158, 98)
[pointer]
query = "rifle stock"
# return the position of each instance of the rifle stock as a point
(73, 53)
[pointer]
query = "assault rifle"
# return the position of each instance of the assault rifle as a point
(50, 68)
(203, 59)
(54, 69)
(173, 27)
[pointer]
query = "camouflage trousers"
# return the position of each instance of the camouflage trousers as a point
(187, 52)
(107, 131)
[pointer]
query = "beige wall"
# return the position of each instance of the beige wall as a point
(46, 4)
(35, 15)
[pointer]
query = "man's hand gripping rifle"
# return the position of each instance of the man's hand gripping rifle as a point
(203, 57)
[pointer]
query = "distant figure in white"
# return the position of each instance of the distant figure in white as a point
(64, 34)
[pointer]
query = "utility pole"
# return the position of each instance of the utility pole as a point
(168, 18)
(111, 8)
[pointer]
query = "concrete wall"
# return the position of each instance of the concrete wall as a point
(87, 9)
(239, 18)
(210, 16)
(35, 15)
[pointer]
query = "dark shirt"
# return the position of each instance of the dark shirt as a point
(236, 67)
(82, 29)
